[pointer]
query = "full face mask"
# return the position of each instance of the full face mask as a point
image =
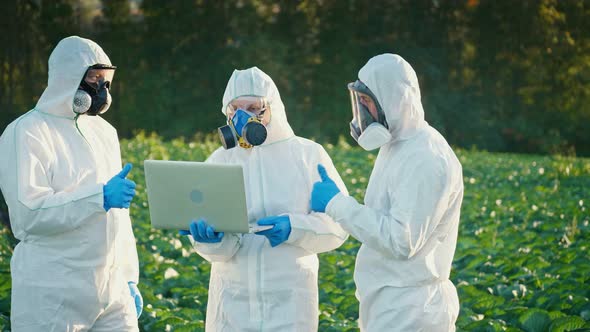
(244, 126)
(92, 96)
(369, 132)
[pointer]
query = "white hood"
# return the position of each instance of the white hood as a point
(67, 64)
(395, 84)
(254, 82)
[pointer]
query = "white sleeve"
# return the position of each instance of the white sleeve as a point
(128, 247)
(41, 210)
(317, 232)
(220, 251)
(130, 261)
(418, 203)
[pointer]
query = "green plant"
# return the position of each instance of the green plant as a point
(521, 262)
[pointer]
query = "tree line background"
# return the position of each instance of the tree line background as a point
(496, 75)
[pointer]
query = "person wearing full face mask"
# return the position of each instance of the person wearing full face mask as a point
(408, 225)
(76, 266)
(267, 281)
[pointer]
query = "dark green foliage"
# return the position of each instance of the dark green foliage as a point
(500, 75)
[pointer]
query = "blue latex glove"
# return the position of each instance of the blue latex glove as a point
(323, 191)
(202, 232)
(280, 231)
(136, 295)
(119, 191)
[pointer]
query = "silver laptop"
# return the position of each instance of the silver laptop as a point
(182, 191)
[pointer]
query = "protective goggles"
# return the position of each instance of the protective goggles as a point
(252, 104)
(97, 74)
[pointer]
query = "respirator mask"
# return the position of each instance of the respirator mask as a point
(92, 96)
(368, 130)
(245, 123)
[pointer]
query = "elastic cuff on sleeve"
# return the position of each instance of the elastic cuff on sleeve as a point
(296, 231)
(296, 235)
(211, 248)
(337, 208)
(206, 247)
(95, 195)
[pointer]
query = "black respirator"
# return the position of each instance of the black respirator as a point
(94, 98)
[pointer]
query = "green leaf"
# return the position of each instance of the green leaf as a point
(190, 327)
(568, 323)
(169, 321)
(534, 320)
(487, 302)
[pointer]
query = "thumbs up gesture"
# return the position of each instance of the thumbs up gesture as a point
(323, 191)
(119, 191)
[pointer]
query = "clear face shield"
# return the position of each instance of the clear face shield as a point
(368, 126)
(247, 117)
(365, 109)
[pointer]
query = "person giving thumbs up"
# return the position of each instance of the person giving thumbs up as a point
(323, 191)
(119, 191)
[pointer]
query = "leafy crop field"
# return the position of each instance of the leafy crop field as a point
(521, 264)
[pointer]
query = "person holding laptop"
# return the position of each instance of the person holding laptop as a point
(267, 281)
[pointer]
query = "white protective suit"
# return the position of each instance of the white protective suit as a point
(408, 225)
(253, 286)
(71, 268)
